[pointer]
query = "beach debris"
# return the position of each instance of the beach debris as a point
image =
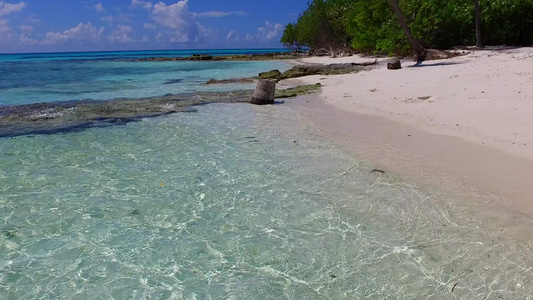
(377, 171)
(453, 288)
(395, 65)
(265, 92)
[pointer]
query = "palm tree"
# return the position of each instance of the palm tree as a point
(420, 51)
(479, 38)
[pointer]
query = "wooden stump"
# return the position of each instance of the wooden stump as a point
(395, 65)
(264, 92)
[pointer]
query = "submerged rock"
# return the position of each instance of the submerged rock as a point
(229, 81)
(48, 118)
(173, 81)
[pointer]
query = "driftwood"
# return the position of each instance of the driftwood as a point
(333, 52)
(366, 63)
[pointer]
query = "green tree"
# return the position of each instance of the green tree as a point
(420, 51)
(290, 39)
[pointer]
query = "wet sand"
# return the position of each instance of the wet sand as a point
(473, 136)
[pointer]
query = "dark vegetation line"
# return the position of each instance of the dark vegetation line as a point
(384, 26)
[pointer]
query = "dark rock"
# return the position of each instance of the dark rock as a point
(395, 65)
(272, 74)
(227, 81)
(264, 92)
(201, 57)
(173, 81)
(332, 69)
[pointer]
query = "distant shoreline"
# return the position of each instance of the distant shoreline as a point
(236, 57)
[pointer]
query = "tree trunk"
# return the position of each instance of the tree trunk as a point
(265, 92)
(417, 47)
(479, 37)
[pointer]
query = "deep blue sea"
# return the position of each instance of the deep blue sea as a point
(232, 201)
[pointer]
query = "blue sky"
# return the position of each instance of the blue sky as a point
(89, 25)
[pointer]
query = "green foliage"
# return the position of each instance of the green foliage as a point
(289, 38)
(323, 24)
(507, 22)
(371, 26)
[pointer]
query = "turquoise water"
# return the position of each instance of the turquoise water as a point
(234, 202)
(35, 78)
(237, 201)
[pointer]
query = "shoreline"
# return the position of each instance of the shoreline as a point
(404, 137)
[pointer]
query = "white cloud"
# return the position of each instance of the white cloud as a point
(5, 30)
(99, 7)
(149, 26)
(27, 28)
(174, 16)
(266, 33)
(269, 31)
(124, 18)
(24, 39)
(121, 34)
(231, 35)
(83, 33)
(143, 4)
(7, 8)
(32, 19)
(107, 19)
(218, 14)
(180, 24)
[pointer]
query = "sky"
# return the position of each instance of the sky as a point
(107, 25)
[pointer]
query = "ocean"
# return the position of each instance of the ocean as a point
(226, 201)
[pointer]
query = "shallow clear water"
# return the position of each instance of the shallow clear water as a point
(235, 202)
(35, 78)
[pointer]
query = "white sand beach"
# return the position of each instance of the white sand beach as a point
(463, 123)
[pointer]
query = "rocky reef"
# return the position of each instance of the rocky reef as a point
(241, 57)
(299, 71)
(43, 118)
(49, 118)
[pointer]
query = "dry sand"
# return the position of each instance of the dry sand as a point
(464, 123)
